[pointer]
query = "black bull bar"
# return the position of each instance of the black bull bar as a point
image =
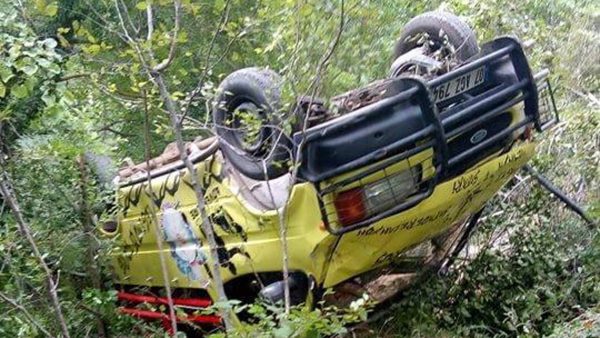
(411, 121)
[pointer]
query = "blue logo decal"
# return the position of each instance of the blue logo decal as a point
(478, 136)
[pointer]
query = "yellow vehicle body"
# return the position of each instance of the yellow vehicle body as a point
(422, 158)
(250, 237)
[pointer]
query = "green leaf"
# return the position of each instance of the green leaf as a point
(43, 62)
(2, 90)
(5, 73)
(313, 333)
(53, 68)
(182, 37)
(219, 5)
(283, 332)
(20, 91)
(31, 83)
(141, 5)
(51, 9)
(40, 5)
(464, 312)
(48, 99)
(92, 49)
(30, 69)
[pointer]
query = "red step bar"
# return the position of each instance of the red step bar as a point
(135, 298)
(163, 317)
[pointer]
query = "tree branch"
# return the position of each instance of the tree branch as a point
(26, 313)
(195, 91)
(72, 77)
(155, 74)
(164, 64)
(201, 204)
(296, 165)
(7, 195)
(116, 132)
(136, 30)
(157, 234)
(134, 44)
(150, 21)
(91, 247)
(122, 22)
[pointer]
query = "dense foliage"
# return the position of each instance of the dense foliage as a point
(71, 84)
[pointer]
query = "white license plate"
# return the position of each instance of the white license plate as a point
(459, 85)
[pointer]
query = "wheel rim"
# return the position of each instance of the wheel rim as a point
(439, 49)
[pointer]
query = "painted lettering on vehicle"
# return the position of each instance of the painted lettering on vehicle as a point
(407, 225)
(465, 181)
(472, 185)
(387, 257)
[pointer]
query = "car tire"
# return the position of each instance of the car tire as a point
(459, 34)
(255, 93)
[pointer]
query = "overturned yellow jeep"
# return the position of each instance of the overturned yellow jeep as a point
(374, 185)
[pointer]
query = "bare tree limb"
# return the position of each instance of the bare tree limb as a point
(293, 177)
(136, 30)
(122, 22)
(73, 76)
(190, 97)
(26, 313)
(150, 23)
(134, 44)
(155, 74)
(313, 88)
(194, 93)
(129, 40)
(98, 20)
(201, 204)
(284, 247)
(116, 132)
(104, 23)
(157, 234)
(165, 63)
(92, 246)
(9, 197)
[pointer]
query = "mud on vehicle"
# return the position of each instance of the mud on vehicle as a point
(390, 183)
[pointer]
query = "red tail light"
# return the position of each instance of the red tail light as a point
(350, 206)
(370, 199)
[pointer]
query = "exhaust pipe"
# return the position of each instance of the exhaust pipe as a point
(299, 286)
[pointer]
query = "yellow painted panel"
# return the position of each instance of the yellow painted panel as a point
(367, 248)
(250, 238)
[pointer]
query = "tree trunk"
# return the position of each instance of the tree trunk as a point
(206, 226)
(92, 246)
